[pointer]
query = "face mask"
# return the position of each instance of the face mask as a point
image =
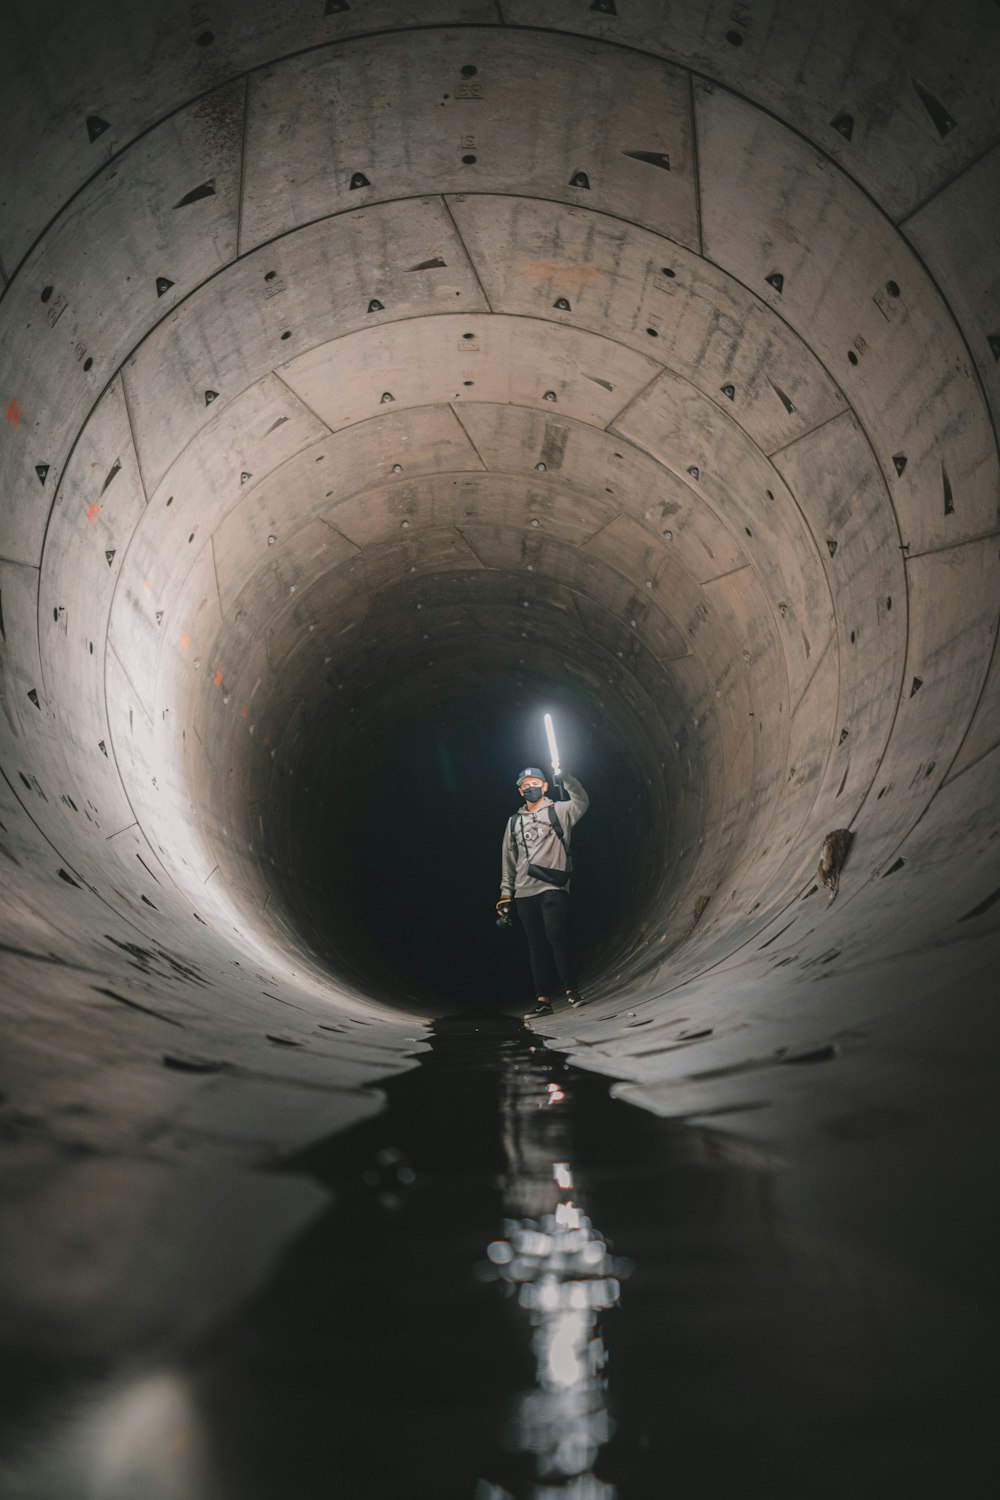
(531, 793)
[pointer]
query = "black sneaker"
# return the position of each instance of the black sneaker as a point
(543, 1008)
(574, 997)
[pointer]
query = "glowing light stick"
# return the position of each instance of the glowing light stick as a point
(553, 751)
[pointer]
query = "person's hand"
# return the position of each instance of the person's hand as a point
(504, 912)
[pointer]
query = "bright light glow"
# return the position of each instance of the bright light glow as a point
(531, 1242)
(556, 1095)
(565, 1361)
(561, 1269)
(574, 1454)
(548, 1295)
(553, 750)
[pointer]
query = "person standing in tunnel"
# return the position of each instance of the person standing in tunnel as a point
(535, 872)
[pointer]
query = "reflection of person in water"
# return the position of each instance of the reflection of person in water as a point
(565, 1277)
(535, 874)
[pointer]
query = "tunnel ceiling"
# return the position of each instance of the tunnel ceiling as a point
(349, 348)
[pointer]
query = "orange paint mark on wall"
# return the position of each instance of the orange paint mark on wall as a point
(218, 679)
(246, 710)
(14, 412)
(564, 275)
(93, 511)
(185, 640)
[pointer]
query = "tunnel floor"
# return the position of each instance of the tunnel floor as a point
(523, 1289)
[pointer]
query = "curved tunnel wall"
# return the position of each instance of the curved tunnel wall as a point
(345, 356)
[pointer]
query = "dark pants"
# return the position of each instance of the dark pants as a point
(545, 919)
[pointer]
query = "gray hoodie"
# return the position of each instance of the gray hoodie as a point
(538, 843)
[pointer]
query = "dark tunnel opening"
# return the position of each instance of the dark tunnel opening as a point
(388, 851)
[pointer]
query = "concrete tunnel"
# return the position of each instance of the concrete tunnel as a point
(376, 375)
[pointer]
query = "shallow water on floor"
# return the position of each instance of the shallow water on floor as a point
(525, 1290)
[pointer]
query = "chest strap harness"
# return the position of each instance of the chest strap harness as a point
(544, 873)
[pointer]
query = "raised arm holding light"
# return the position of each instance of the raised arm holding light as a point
(535, 875)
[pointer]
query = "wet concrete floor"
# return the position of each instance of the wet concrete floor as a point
(525, 1290)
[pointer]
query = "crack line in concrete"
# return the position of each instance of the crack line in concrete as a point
(844, 411)
(468, 254)
(243, 163)
(147, 712)
(132, 437)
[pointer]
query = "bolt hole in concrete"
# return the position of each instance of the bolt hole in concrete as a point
(512, 1288)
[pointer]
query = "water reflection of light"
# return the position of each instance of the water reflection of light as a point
(565, 1277)
(562, 1356)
